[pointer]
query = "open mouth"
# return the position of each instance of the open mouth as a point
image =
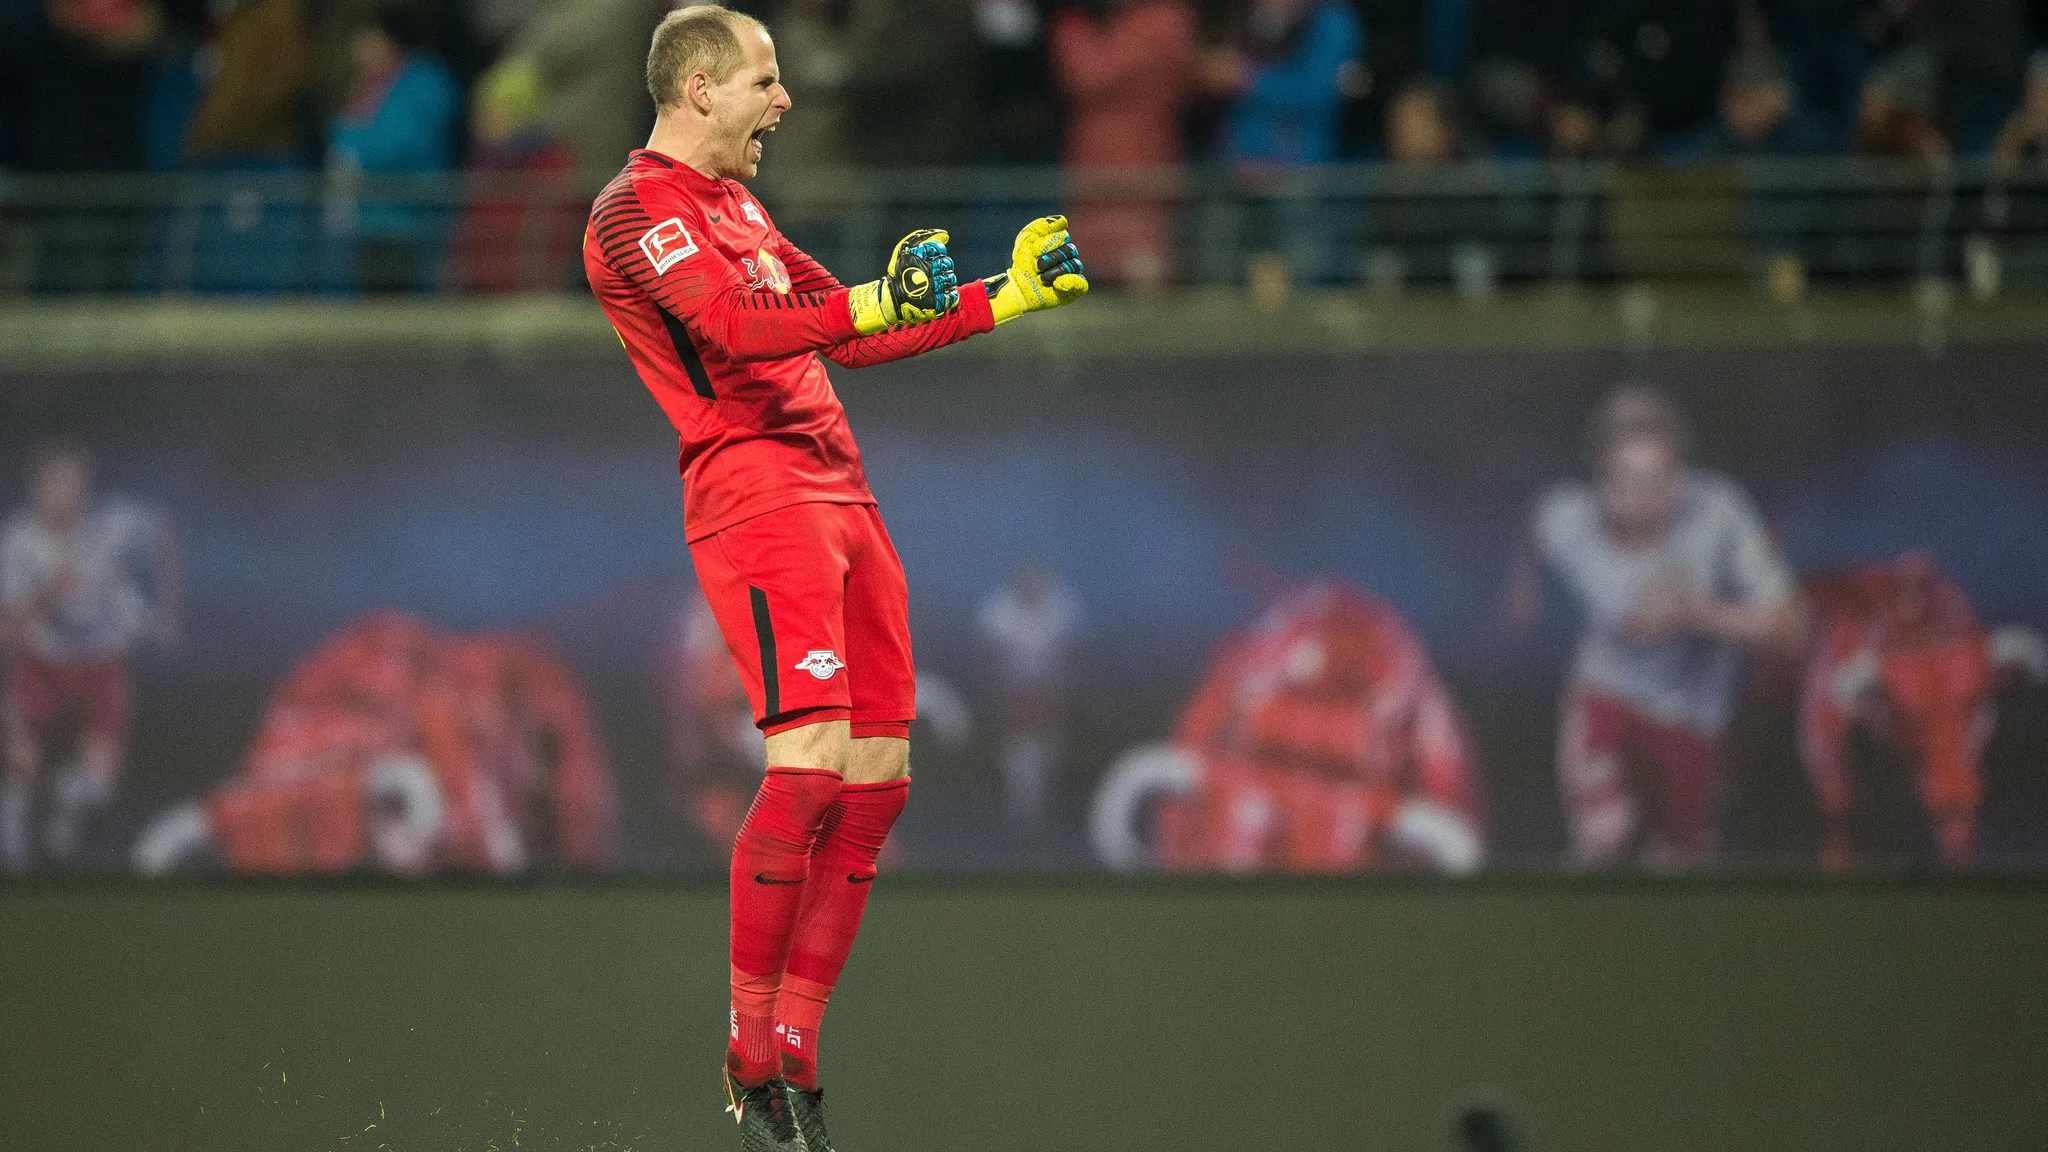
(759, 135)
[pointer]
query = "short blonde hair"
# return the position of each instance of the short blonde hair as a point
(699, 38)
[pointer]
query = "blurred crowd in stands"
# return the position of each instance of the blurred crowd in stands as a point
(426, 85)
(554, 90)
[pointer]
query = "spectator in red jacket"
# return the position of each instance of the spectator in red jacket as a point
(1127, 69)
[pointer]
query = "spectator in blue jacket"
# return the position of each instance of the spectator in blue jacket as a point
(1298, 56)
(1295, 62)
(400, 119)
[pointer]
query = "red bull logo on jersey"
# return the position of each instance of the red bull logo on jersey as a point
(765, 271)
(822, 663)
(666, 243)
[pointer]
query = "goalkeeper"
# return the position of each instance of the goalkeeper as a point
(726, 322)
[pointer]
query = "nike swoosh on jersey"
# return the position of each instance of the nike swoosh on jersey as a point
(764, 878)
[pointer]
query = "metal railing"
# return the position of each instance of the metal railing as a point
(1475, 226)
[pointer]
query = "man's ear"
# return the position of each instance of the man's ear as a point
(697, 93)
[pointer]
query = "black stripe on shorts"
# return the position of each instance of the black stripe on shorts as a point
(764, 637)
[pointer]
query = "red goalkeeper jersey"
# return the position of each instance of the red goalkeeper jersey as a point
(725, 320)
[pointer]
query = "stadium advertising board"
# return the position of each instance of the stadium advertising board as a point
(1213, 615)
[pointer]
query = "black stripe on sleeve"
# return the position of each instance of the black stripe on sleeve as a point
(686, 351)
(619, 216)
(616, 196)
(764, 637)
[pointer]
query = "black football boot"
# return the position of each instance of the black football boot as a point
(807, 1106)
(767, 1123)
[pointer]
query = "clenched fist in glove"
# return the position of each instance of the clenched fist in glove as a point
(919, 286)
(1045, 272)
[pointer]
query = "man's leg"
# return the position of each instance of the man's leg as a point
(1688, 783)
(17, 791)
(776, 584)
(770, 868)
(101, 690)
(1592, 773)
(882, 683)
(842, 872)
(20, 717)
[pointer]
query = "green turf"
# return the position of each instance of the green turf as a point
(1606, 1015)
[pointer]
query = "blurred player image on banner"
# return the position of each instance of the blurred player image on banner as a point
(1320, 741)
(1674, 577)
(400, 748)
(83, 583)
(729, 326)
(1027, 629)
(1902, 669)
(715, 753)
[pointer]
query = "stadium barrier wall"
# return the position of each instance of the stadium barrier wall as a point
(1595, 1016)
(1477, 225)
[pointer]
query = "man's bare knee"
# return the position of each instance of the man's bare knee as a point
(22, 760)
(821, 745)
(100, 757)
(878, 760)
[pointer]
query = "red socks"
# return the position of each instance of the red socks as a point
(801, 869)
(842, 870)
(770, 865)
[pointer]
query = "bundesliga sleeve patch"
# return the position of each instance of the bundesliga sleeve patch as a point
(666, 243)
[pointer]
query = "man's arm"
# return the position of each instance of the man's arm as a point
(1672, 606)
(973, 317)
(1522, 595)
(655, 239)
(657, 246)
(25, 599)
(1777, 624)
(13, 591)
(1764, 613)
(18, 614)
(170, 584)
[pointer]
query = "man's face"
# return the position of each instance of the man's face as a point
(1751, 110)
(1639, 484)
(746, 107)
(63, 487)
(1417, 130)
(372, 53)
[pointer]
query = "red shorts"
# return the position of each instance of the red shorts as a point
(813, 606)
(94, 693)
(1628, 775)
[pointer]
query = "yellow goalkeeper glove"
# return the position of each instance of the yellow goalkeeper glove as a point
(919, 286)
(1045, 272)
